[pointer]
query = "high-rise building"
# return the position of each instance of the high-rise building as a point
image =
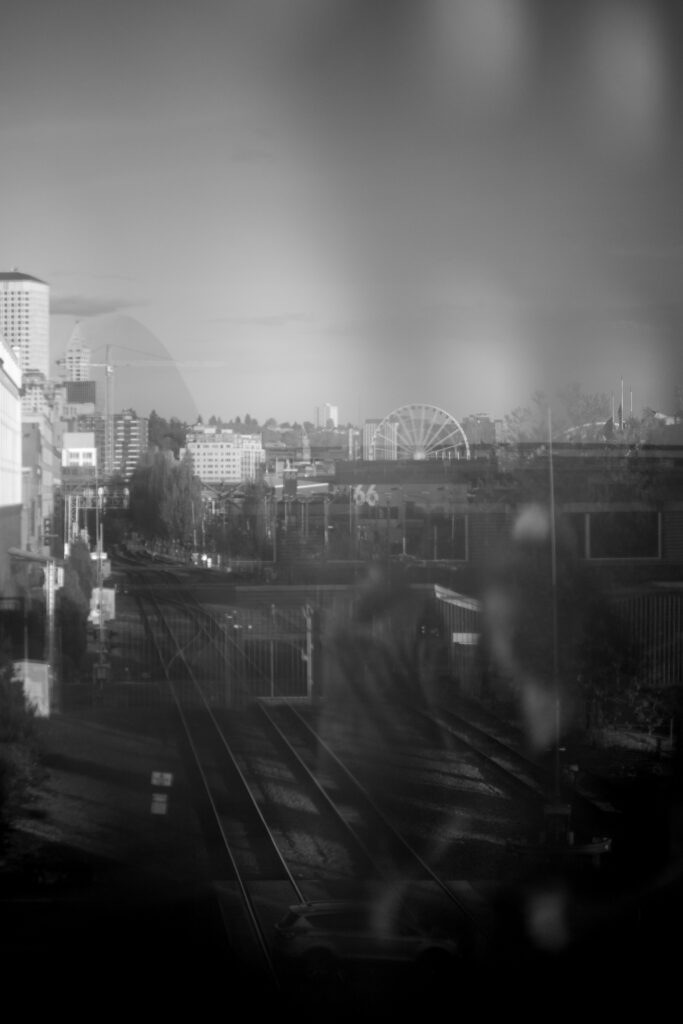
(380, 444)
(326, 413)
(131, 435)
(369, 428)
(25, 319)
(77, 356)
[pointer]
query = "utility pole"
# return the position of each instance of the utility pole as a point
(312, 631)
(558, 811)
(101, 666)
(50, 587)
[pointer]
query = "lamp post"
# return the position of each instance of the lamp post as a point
(101, 660)
(553, 564)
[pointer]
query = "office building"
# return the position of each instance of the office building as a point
(25, 319)
(380, 445)
(77, 356)
(131, 436)
(326, 414)
(10, 460)
(224, 456)
(80, 452)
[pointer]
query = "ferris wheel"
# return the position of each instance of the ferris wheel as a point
(419, 432)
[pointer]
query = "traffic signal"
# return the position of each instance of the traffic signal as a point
(111, 642)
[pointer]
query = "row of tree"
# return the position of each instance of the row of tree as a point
(583, 417)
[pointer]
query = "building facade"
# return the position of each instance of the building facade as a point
(41, 459)
(10, 461)
(25, 319)
(131, 438)
(77, 357)
(380, 448)
(79, 451)
(224, 456)
(327, 413)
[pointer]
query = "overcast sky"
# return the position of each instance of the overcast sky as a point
(363, 203)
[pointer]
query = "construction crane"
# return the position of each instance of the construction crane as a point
(109, 366)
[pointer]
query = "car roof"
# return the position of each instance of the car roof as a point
(312, 906)
(331, 906)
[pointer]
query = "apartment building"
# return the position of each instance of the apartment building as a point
(224, 456)
(131, 438)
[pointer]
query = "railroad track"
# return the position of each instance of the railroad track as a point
(298, 803)
(247, 838)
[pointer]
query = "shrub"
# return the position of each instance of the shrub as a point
(20, 767)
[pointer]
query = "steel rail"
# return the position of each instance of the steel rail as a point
(247, 900)
(380, 815)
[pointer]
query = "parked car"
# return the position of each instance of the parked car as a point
(320, 937)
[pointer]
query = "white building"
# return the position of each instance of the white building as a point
(10, 427)
(79, 451)
(41, 476)
(325, 413)
(131, 434)
(10, 461)
(25, 319)
(224, 456)
(380, 445)
(38, 394)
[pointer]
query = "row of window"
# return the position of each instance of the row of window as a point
(623, 534)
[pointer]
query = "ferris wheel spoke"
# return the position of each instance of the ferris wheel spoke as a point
(445, 437)
(404, 438)
(409, 426)
(433, 429)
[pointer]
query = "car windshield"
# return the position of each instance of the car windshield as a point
(341, 498)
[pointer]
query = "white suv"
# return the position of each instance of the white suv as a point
(320, 935)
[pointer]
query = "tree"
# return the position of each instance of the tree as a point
(20, 767)
(73, 605)
(180, 507)
(79, 564)
(529, 423)
(165, 498)
(164, 435)
(584, 409)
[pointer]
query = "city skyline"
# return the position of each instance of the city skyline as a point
(365, 205)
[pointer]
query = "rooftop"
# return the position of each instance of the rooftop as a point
(16, 275)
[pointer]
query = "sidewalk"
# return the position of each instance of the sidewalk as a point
(94, 877)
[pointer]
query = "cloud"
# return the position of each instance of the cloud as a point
(88, 305)
(90, 277)
(263, 319)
